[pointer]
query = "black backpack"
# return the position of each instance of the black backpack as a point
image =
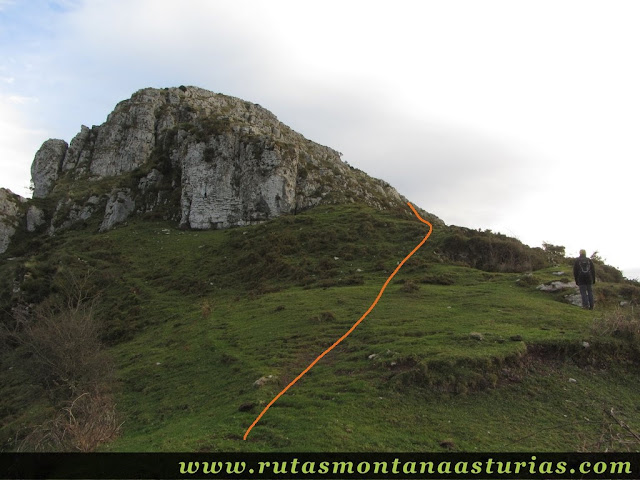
(585, 267)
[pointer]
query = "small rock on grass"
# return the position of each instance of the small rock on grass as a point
(448, 444)
(246, 407)
(476, 336)
(264, 380)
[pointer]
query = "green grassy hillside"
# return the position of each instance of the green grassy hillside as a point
(183, 323)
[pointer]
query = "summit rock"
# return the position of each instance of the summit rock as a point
(201, 159)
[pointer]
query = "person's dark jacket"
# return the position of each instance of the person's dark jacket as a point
(582, 278)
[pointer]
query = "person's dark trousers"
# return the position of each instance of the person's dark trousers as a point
(586, 291)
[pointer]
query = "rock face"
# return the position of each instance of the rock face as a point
(202, 159)
(46, 165)
(555, 286)
(119, 207)
(35, 218)
(11, 212)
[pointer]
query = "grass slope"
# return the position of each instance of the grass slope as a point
(451, 358)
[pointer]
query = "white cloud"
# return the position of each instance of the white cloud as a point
(18, 144)
(6, 3)
(21, 100)
(483, 112)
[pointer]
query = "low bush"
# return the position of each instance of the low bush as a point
(354, 279)
(607, 273)
(528, 280)
(605, 294)
(631, 293)
(490, 251)
(409, 286)
(438, 279)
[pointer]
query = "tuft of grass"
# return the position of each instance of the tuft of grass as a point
(323, 317)
(205, 308)
(621, 323)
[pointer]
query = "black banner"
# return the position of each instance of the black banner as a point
(239, 466)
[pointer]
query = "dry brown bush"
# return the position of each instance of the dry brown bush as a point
(82, 425)
(64, 347)
(60, 343)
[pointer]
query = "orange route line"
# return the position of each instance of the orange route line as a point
(351, 329)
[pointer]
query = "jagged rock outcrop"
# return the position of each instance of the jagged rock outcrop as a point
(46, 166)
(11, 213)
(35, 218)
(119, 207)
(201, 159)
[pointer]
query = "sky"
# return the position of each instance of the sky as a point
(522, 117)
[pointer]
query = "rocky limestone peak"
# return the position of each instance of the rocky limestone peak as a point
(203, 159)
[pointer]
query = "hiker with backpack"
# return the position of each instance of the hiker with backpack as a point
(585, 276)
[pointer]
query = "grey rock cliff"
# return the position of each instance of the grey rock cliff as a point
(46, 166)
(35, 218)
(11, 214)
(202, 159)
